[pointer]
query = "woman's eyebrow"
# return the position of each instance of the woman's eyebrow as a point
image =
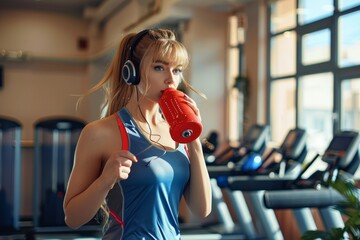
(166, 63)
(161, 61)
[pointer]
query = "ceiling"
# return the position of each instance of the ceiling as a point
(77, 7)
(215, 5)
(73, 7)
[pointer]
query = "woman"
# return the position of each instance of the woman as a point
(126, 163)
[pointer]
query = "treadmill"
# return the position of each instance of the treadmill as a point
(224, 230)
(232, 159)
(293, 151)
(342, 158)
(254, 142)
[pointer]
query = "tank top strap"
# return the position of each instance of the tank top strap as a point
(123, 133)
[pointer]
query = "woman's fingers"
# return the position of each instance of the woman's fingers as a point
(125, 160)
(125, 156)
(124, 172)
(118, 166)
(193, 105)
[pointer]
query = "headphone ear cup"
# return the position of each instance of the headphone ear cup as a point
(129, 73)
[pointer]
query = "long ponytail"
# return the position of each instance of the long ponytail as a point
(117, 92)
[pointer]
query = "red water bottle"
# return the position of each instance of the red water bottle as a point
(184, 124)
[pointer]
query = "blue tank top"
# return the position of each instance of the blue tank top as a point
(146, 205)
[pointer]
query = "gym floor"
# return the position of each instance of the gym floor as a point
(94, 233)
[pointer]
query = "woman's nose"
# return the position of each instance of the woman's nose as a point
(169, 81)
(170, 78)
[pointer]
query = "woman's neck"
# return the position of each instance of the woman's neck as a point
(144, 110)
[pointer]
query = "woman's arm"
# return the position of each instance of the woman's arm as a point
(96, 169)
(198, 192)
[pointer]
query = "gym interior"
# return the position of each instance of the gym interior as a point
(281, 120)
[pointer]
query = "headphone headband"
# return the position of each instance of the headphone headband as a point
(134, 42)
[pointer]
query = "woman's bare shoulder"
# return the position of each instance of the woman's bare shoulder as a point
(102, 130)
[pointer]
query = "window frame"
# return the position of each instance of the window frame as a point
(339, 73)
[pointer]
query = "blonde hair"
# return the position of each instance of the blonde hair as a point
(155, 45)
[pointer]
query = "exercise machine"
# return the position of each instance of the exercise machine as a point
(10, 175)
(54, 146)
(293, 151)
(245, 154)
(342, 159)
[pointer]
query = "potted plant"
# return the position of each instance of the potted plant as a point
(350, 208)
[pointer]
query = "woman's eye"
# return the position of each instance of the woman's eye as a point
(159, 68)
(177, 71)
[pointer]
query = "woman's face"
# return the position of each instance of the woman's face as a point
(161, 75)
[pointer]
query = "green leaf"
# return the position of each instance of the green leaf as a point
(350, 208)
(313, 234)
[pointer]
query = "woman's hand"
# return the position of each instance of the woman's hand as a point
(193, 106)
(118, 167)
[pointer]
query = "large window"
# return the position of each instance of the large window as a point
(314, 68)
(283, 16)
(350, 104)
(311, 11)
(349, 39)
(315, 47)
(283, 50)
(315, 108)
(282, 108)
(236, 98)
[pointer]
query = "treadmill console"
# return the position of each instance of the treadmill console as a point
(210, 143)
(256, 137)
(253, 142)
(294, 144)
(341, 154)
(343, 150)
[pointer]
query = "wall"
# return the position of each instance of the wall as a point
(42, 85)
(41, 33)
(206, 39)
